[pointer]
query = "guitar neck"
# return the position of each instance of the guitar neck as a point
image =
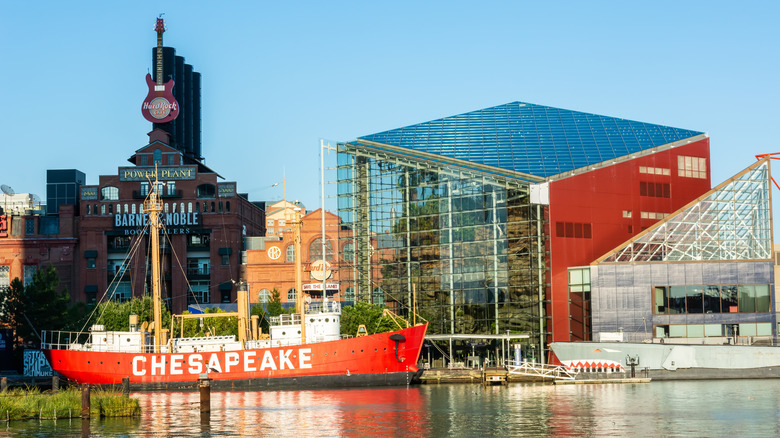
(159, 59)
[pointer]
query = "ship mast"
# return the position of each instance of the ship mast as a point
(152, 207)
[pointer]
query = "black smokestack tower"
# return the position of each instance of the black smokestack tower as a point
(185, 129)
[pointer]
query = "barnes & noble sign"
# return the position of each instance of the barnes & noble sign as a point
(175, 223)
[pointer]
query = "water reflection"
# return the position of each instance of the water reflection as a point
(356, 412)
(725, 408)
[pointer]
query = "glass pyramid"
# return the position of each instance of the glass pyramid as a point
(730, 222)
(532, 139)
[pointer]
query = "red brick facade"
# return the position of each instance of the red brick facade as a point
(23, 247)
(206, 223)
(274, 267)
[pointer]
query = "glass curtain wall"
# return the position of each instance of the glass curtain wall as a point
(466, 249)
(731, 222)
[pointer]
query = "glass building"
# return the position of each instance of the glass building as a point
(703, 274)
(469, 245)
(451, 218)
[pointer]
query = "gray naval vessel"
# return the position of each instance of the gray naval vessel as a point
(667, 361)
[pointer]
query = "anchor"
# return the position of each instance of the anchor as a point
(397, 337)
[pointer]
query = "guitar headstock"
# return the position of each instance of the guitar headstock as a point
(160, 26)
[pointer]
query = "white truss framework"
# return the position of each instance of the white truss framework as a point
(730, 222)
(544, 371)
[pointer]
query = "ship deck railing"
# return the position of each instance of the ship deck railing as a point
(286, 319)
(66, 340)
(62, 340)
(545, 371)
(331, 306)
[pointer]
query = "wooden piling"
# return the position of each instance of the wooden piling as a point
(55, 384)
(126, 386)
(85, 428)
(3, 384)
(204, 383)
(85, 401)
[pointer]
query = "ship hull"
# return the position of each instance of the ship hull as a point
(670, 361)
(363, 361)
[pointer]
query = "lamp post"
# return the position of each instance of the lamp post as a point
(298, 273)
(324, 147)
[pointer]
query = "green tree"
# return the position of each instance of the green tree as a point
(205, 325)
(275, 307)
(220, 326)
(35, 307)
(366, 314)
(116, 316)
(272, 308)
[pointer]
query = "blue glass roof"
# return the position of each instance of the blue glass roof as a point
(533, 139)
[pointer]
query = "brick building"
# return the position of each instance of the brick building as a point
(205, 223)
(272, 264)
(30, 240)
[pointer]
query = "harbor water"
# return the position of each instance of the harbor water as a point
(725, 408)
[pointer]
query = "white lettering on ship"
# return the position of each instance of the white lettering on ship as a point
(193, 361)
(233, 361)
(136, 370)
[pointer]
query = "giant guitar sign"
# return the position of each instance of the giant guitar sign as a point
(159, 106)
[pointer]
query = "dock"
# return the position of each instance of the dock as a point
(493, 376)
(488, 376)
(12, 379)
(451, 375)
(524, 372)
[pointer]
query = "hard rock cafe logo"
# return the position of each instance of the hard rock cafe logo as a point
(274, 252)
(159, 107)
(320, 270)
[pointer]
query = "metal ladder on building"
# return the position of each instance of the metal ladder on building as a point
(544, 371)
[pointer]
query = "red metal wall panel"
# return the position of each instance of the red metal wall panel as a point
(599, 198)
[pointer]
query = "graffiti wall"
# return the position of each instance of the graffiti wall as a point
(35, 364)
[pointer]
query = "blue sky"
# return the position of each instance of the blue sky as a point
(278, 77)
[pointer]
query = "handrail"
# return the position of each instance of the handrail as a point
(556, 372)
(67, 340)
